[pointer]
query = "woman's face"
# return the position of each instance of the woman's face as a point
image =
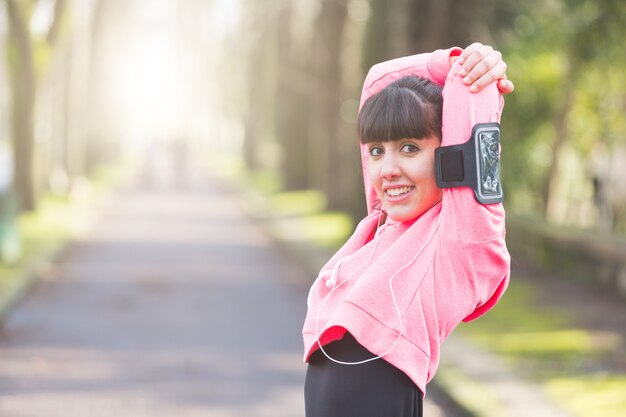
(403, 175)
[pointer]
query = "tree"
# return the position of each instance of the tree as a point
(24, 82)
(435, 24)
(292, 115)
(376, 44)
(327, 70)
(256, 31)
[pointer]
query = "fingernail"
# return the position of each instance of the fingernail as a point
(466, 80)
(462, 72)
(473, 89)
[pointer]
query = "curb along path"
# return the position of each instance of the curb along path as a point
(508, 395)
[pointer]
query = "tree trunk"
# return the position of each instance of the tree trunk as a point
(435, 24)
(256, 76)
(102, 131)
(550, 196)
(23, 83)
(55, 27)
(292, 115)
(376, 35)
(83, 90)
(327, 51)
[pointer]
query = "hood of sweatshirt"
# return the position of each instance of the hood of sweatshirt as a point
(381, 75)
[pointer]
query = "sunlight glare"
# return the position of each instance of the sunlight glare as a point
(152, 86)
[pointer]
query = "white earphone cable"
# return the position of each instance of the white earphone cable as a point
(393, 296)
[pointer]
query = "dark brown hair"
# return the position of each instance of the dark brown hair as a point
(407, 108)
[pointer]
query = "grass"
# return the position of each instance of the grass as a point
(591, 395)
(57, 219)
(466, 391)
(41, 234)
(573, 365)
(296, 216)
(326, 230)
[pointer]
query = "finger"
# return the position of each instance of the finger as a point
(506, 86)
(491, 65)
(476, 57)
(468, 51)
(488, 77)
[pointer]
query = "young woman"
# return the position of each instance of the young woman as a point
(425, 258)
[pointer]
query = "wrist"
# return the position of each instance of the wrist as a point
(454, 55)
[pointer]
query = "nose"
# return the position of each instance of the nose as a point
(390, 168)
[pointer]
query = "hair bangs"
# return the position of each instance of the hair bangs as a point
(398, 112)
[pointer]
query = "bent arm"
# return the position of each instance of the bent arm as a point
(434, 66)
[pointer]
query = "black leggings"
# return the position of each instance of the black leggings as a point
(373, 389)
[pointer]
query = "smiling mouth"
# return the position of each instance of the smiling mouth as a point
(395, 192)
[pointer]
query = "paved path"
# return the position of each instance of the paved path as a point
(173, 306)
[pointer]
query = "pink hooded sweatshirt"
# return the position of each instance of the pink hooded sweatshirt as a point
(401, 293)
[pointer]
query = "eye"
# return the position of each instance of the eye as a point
(409, 148)
(376, 150)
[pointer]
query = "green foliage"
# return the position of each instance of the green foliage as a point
(528, 130)
(566, 59)
(550, 47)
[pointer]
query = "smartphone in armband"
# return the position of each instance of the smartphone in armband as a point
(474, 164)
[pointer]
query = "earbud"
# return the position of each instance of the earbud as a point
(330, 282)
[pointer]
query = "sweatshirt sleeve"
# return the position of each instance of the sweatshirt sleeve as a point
(464, 218)
(474, 232)
(434, 66)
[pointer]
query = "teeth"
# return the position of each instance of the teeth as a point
(393, 192)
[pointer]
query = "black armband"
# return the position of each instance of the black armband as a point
(474, 164)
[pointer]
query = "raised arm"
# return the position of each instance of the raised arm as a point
(480, 64)
(434, 66)
(474, 256)
(462, 216)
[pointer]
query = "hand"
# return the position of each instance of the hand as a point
(481, 65)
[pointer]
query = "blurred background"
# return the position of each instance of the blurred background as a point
(273, 87)
(264, 95)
